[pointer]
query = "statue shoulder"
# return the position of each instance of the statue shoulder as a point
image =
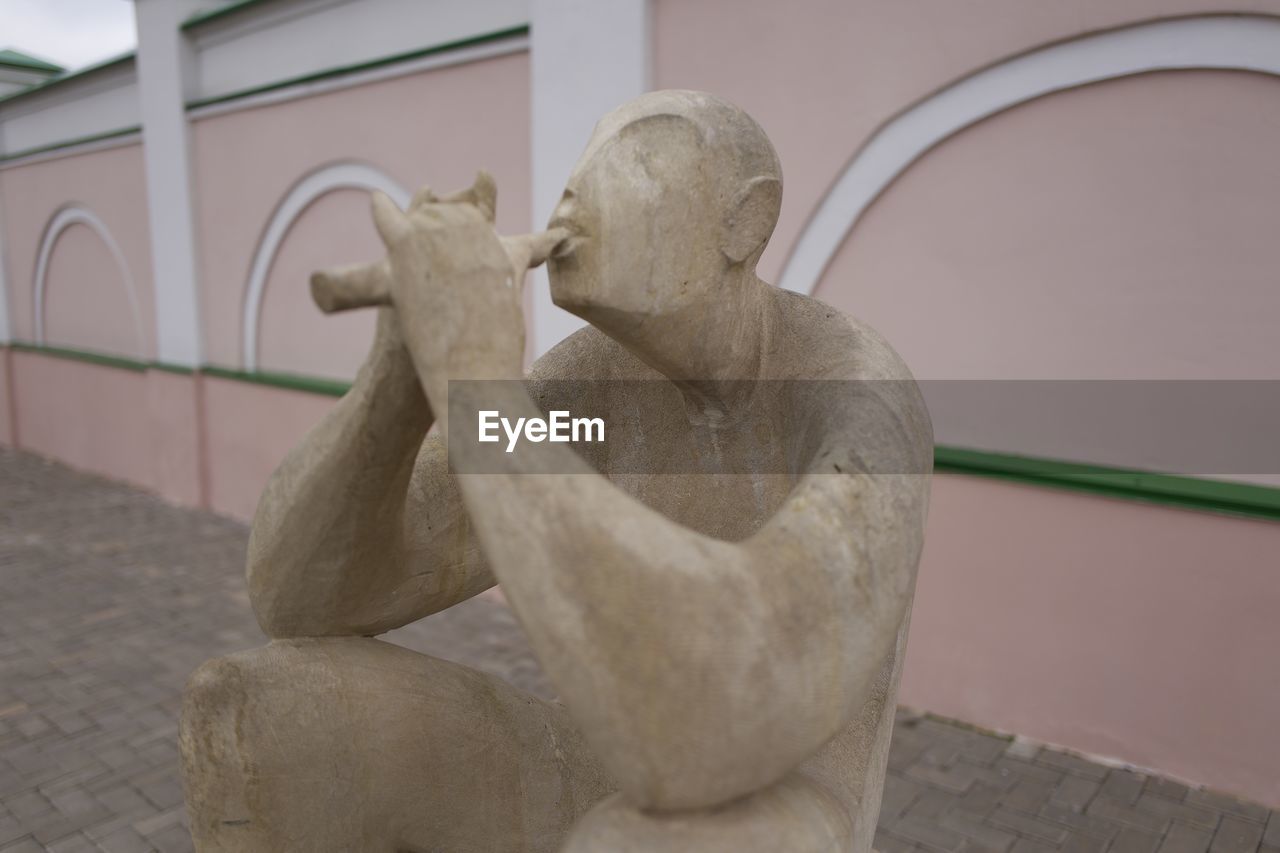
(819, 341)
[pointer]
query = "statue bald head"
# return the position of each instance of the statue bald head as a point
(676, 192)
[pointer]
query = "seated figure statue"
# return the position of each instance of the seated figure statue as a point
(725, 638)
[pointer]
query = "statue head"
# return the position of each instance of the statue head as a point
(674, 199)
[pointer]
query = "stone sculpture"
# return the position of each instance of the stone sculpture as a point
(725, 642)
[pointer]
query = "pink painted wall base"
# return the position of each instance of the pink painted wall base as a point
(1138, 633)
(1118, 629)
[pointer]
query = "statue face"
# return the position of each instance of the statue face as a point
(643, 205)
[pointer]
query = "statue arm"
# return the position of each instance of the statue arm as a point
(360, 529)
(699, 669)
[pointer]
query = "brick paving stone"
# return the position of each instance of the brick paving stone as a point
(112, 597)
(930, 805)
(1123, 813)
(1185, 812)
(975, 830)
(1236, 835)
(1222, 802)
(76, 843)
(1123, 785)
(1083, 825)
(885, 842)
(928, 834)
(1030, 845)
(25, 845)
(1029, 827)
(1084, 844)
(980, 800)
(1012, 767)
(1074, 792)
(1182, 838)
(1030, 795)
(1167, 788)
(1071, 764)
(1135, 841)
(898, 794)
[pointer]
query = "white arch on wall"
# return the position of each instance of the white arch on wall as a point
(63, 219)
(1212, 42)
(326, 179)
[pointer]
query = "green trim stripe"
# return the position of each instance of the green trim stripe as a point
(165, 367)
(98, 358)
(291, 381)
(17, 59)
(64, 78)
(342, 70)
(1196, 493)
(1129, 484)
(68, 143)
(214, 14)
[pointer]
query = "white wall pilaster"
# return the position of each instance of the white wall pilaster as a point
(6, 331)
(586, 57)
(165, 82)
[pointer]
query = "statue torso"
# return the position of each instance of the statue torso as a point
(721, 471)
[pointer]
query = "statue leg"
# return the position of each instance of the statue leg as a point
(352, 744)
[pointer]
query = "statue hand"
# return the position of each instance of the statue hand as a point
(455, 288)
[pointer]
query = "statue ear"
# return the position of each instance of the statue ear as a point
(751, 218)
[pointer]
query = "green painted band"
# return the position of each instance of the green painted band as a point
(165, 367)
(62, 79)
(214, 14)
(343, 70)
(68, 143)
(98, 358)
(1198, 493)
(101, 358)
(290, 381)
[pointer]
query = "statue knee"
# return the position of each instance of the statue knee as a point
(243, 755)
(215, 763)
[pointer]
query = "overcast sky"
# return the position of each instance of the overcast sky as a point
(71, 33)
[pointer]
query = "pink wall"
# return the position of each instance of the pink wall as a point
(7, 409)
(194, 439)
(86, 304)
(173, 409)
(1124, 233)
(91, 417)
(246, 161)
(88, 298)
(249, 429)
(294, 337)
(1120, 230)
(822, 81)
(138, 426)
(1143, 633)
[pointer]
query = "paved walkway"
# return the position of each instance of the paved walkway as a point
(108, 598)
